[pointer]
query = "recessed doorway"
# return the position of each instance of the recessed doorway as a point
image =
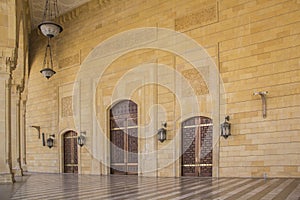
(197, 147)
(124, 138)
(70, 152)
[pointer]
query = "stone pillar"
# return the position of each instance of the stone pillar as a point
(23, 134)
(6, 175)
(15, 130)
(148, 159)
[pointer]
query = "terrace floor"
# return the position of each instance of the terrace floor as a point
(69, 186)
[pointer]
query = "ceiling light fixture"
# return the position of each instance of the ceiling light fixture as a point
(48, 27)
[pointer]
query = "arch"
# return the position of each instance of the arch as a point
(197, 149)
(108, 51)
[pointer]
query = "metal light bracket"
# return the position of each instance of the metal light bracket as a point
(263, 95)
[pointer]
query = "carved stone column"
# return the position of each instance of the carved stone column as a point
(23, 133)
(6, 175)
(15, 128)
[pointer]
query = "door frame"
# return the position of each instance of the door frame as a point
(197, 137)
(126, 144)
(61, 151)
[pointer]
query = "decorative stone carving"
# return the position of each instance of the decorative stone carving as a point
(7, 59)
(119, 44)
(2, 64)
(196, 81)
(204, 17)
(102, 2)
(66, 106)
(69, 61)
(11, 63)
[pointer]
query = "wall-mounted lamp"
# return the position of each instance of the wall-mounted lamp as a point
(50, 141)
(162, 132)
(225, 128)
(81, 138)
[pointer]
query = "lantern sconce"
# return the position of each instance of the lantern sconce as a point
(162, 132)
(50, 141)
(81, 138)
(225, 128)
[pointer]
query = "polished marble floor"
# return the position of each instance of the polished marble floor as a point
(69, 186)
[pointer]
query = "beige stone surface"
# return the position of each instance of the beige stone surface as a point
(254, 44)
(13, 77)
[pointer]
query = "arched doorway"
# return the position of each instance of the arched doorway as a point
(70, 152)
(197, 155)
(124, 138)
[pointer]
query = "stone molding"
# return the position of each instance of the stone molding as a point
(7, 59)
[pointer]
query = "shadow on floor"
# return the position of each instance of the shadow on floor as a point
(7, 190)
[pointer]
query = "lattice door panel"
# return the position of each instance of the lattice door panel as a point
(124, 138)
(206, 151)
(189, 155)
(197, 147)
(117, 146)
(132, 139)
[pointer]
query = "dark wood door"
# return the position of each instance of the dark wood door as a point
(70, 152)
(197, 147)
(124, 138)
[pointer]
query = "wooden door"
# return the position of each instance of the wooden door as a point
(70, 152)
(124, 138)
(197, 147)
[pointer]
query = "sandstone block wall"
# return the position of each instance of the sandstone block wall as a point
(253, 43)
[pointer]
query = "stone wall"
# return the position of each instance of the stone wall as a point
(254, 45)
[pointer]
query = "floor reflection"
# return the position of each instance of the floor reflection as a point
(72, 186)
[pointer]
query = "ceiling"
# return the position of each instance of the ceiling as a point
(37, 8)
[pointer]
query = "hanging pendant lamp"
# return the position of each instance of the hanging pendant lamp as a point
(47, 70)
(48, 27)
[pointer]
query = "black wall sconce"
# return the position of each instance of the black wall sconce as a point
(162, 132)
(225, 128)
(81, 138)
(50, 141)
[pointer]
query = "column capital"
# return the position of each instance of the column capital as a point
(16, 89)
(8, 59)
